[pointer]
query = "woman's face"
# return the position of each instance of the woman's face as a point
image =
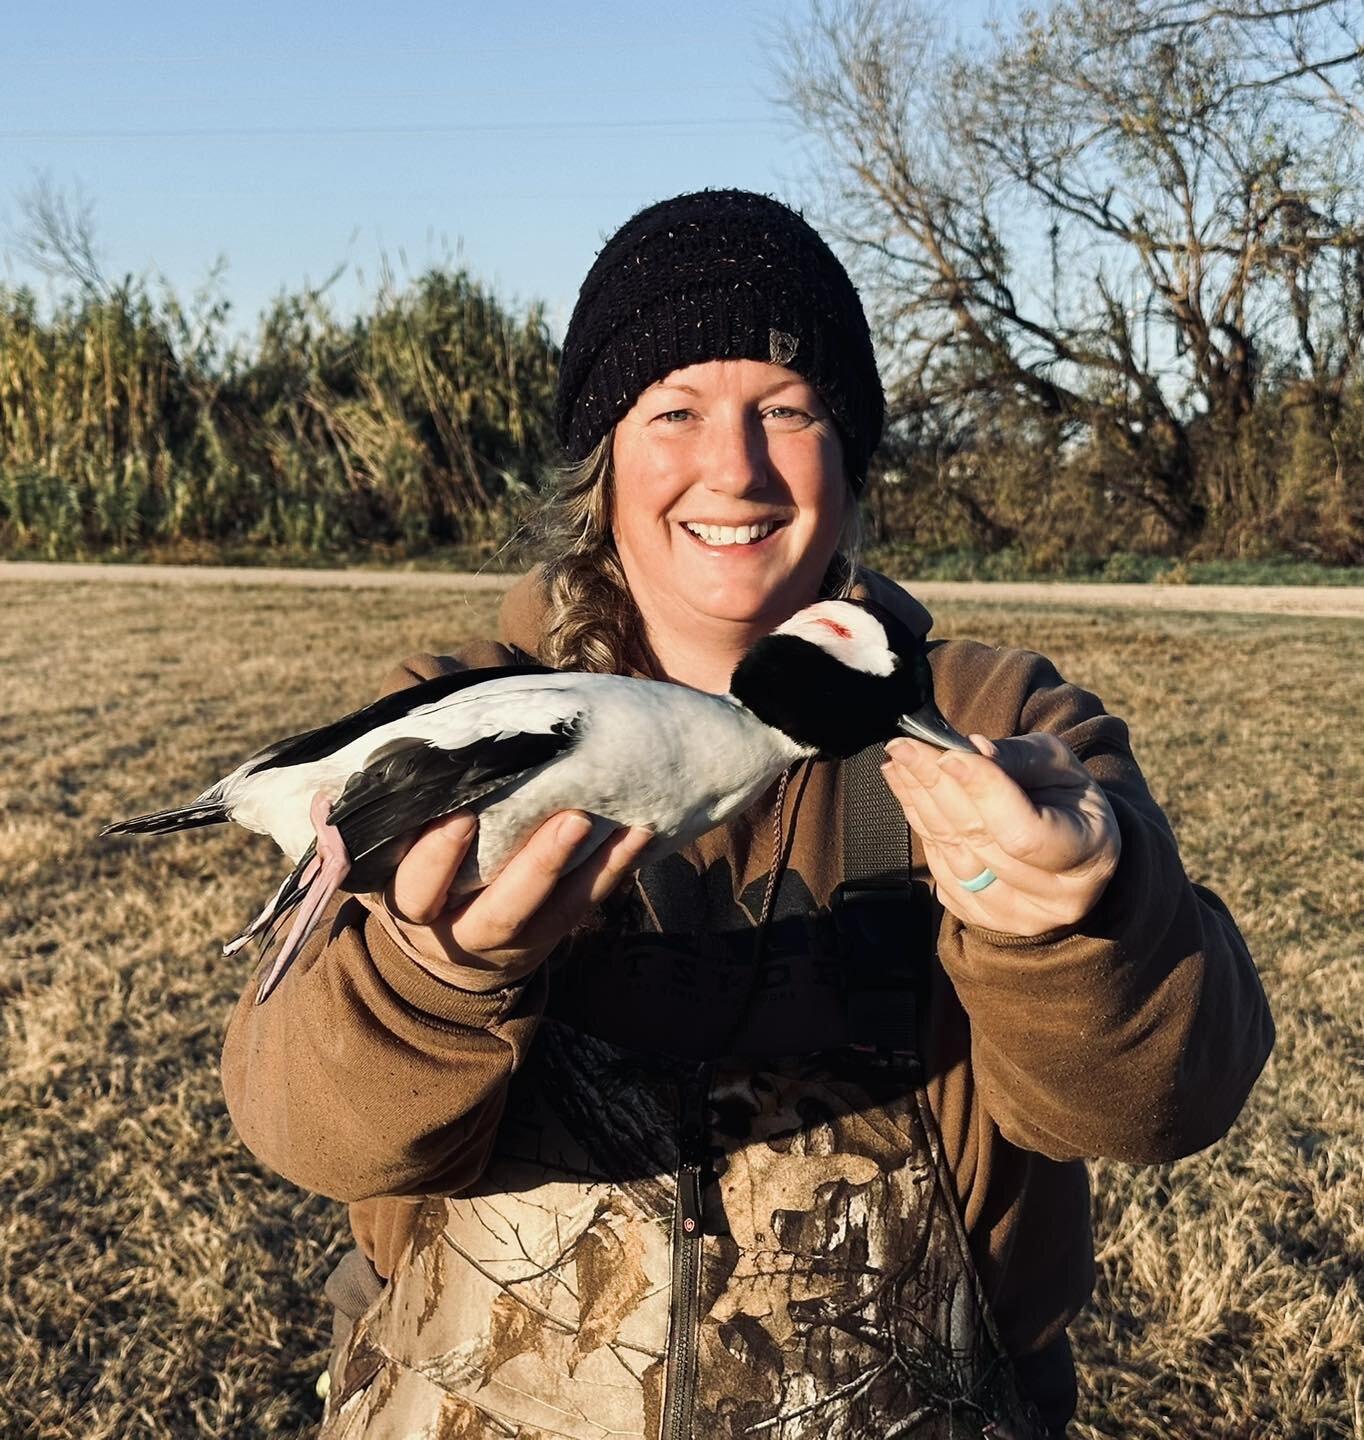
(712, 452)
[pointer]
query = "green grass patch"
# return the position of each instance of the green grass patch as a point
(1123, 567)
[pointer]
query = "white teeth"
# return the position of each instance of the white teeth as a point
(731, 534)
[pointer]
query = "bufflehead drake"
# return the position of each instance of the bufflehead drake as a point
(515, 744)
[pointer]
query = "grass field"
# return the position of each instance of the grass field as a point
(155, 1281)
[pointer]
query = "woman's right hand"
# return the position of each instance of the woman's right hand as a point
(511, 925)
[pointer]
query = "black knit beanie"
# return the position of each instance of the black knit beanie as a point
(717, 275)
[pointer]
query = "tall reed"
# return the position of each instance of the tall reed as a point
(121, 426)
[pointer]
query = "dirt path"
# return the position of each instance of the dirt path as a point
(1322, 600)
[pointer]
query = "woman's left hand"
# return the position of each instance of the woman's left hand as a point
(1025, 809)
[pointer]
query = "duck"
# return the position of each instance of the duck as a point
(515, 744)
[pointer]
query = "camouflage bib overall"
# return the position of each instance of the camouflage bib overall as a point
(667, 1247)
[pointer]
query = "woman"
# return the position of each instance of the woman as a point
(762, 1144)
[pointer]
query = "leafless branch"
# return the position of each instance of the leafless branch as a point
(57, 236)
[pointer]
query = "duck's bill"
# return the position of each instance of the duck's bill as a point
(927, 724)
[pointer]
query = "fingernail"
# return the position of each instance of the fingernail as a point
(574, 828)
(899, 774)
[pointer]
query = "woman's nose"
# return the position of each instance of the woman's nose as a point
(736, 463)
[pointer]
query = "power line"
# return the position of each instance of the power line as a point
(318, 132)
(441, 94)
(439, 48)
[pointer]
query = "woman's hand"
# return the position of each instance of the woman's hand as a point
(1026, 809)
(511, 925)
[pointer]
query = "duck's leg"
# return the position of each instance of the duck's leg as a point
(267, 914)
(333, 865)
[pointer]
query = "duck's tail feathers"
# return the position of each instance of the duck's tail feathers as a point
(162, 822)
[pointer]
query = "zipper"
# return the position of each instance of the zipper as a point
(685, 1304)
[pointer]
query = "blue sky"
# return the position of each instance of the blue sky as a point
(290, 138)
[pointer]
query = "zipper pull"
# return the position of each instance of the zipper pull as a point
(691, 1146)
(689, 1198)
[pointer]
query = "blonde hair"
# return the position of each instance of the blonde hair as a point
(594, 623)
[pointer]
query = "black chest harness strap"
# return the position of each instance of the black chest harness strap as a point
(885, 919)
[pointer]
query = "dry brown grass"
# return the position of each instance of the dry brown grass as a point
(156, 1281)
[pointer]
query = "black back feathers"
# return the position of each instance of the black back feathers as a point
(326, 739)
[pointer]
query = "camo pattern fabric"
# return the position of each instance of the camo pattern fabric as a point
(835, 1296)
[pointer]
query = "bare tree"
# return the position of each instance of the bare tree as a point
(56, 236)
(1122, 218)
(1312, 48)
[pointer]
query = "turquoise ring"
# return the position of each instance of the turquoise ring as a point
(986, 877)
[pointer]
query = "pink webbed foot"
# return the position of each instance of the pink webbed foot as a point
(326, 873)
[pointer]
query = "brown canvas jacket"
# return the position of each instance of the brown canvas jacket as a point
(378, 1074)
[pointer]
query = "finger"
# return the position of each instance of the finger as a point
(1052, 835)
(948, 812)
(905, 795)
(622, 857)
(906, 791)
(421, 883)
(973, 798)
(948, 856)
(497, 914)
(1034, 761)
(588, 885)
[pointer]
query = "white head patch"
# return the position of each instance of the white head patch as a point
(852, 635)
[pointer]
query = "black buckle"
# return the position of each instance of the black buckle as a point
(884, 927)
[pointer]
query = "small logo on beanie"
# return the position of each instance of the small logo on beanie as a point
(782, 347)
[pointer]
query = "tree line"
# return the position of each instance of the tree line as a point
(129, 421)
(1113, 256)
(1116, 261)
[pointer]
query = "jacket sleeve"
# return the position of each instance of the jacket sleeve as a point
(1138, 1032)
(371, 1071)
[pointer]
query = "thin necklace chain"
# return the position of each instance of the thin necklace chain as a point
(773, 875)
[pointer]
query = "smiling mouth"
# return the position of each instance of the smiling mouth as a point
(719, 536)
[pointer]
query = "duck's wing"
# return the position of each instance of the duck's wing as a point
(403, 786)
(313, 745)
(409, 783)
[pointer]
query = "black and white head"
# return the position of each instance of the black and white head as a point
(841, 675)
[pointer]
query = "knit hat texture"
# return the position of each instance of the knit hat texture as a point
(717, 275)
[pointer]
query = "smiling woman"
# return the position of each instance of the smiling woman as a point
(729, 501)
(785, 1133)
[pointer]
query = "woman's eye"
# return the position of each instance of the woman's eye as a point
(674, 415)
(787, 413)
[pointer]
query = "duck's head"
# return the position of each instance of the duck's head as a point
(841, 675)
